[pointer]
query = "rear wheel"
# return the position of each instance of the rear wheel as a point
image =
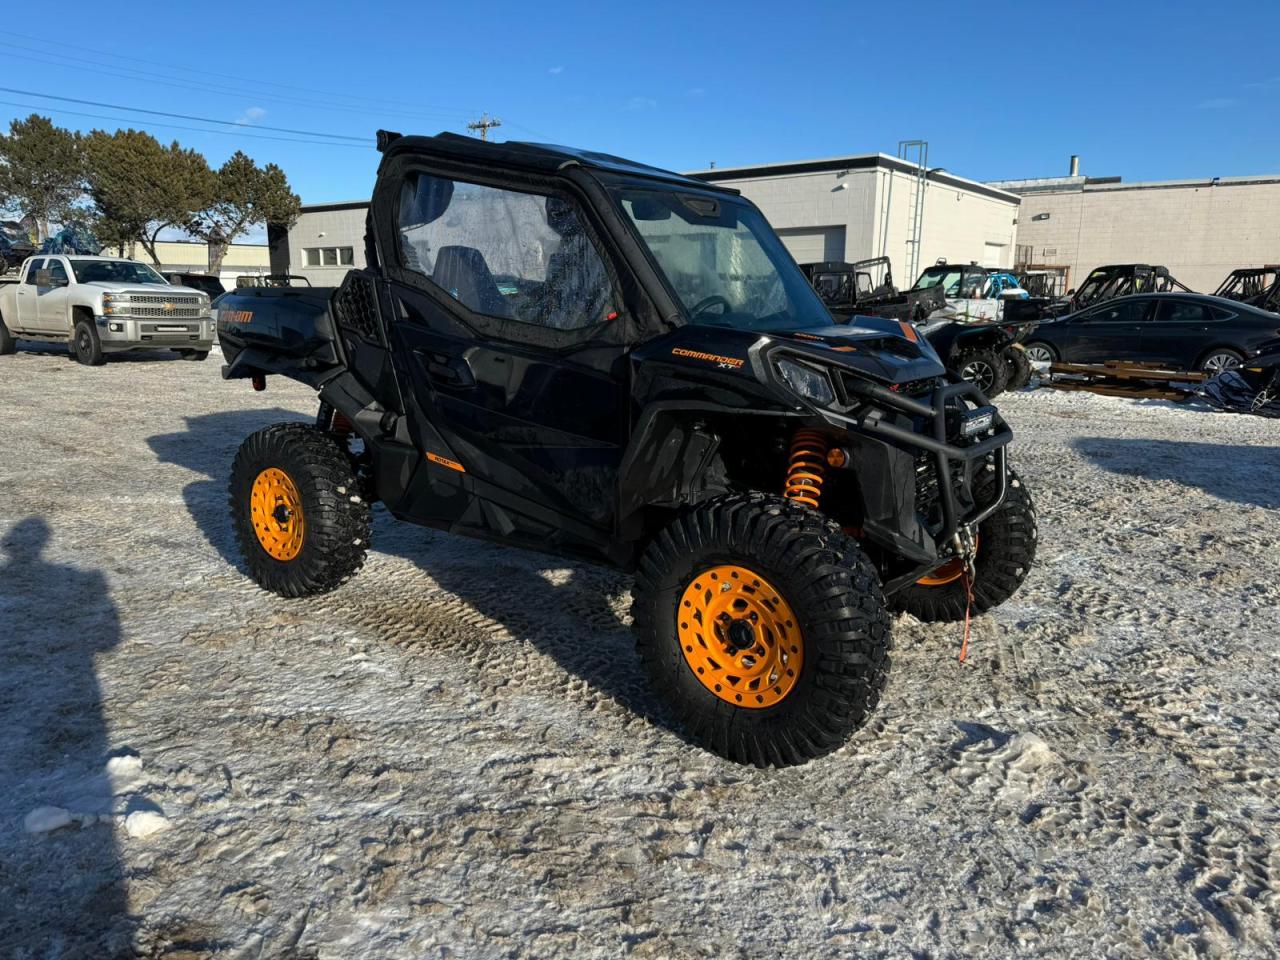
(1220, 359)
(300, 521)
(7, 343)
(1017, 367)
(85, 345)
(765, 626)
(983, 367)
(1006, 543)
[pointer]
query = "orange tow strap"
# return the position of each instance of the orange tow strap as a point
(968, 611)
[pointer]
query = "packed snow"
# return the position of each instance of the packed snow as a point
(455, 754)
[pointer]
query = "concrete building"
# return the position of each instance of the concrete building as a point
(1200, 229)
(845, 208)
(855, 207)
(188, 256)
(326, 242)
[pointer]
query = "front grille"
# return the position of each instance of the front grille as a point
(177, 300)
(160, 313)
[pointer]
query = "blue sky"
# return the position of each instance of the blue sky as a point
(1143, 90)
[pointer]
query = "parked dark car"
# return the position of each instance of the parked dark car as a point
(1186, 331)
(199, 281)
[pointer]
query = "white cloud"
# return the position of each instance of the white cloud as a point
(1216, 103)
(641, 103)
(556, 71)
(251, 116)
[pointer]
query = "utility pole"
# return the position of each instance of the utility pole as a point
(484, 125)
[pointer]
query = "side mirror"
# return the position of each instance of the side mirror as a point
(44, 278)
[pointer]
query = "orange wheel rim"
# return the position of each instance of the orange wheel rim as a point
(949, 572)
(740, 637)
(275, 506)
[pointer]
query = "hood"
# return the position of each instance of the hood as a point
(875, 348)
(147, 289)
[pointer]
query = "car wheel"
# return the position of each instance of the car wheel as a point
(85, 344)
(985, 368)
(765, 627)
(1216, 361)
(302, 526)
(1006, 543)
(7, 343)
(1040, 352)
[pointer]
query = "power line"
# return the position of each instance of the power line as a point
(180, 116)
(256, 81)
(175, 126)
(131, 73)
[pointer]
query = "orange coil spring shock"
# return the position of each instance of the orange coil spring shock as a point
(807, 468)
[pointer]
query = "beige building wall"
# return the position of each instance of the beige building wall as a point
(1198, 229)
(179, 256)
(869, 199)
(323, 227)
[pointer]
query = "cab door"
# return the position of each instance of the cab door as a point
(506, 334)
(28, 297)
(52, 300)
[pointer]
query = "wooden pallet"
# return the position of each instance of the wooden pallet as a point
(1122, 378)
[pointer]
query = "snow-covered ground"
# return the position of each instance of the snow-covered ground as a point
(454, 755)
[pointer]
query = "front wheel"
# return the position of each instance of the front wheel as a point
(300, 521)
(1017, 367)
(1040, 352)
(984, 368)
(1006, 551)
(194, 354)
(85, 344)
(7, 343)
(765, 626)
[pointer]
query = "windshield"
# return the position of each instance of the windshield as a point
(723, 261)
(955, 281)
(115, 271)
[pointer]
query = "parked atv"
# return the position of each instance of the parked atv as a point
(569, 352)
(980, 350)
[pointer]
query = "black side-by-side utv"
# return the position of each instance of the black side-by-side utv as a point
(570, 352)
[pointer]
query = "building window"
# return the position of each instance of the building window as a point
(329, 256)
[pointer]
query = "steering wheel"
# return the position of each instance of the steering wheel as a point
(706, 303)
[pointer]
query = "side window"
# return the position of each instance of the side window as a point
(35, 267)
(57, 271)
(1130, 311)
(1178, 312)
(505, 253)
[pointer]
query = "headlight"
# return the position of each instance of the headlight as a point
(807, 382)
(113, 303)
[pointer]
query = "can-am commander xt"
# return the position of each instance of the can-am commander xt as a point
(570, 352)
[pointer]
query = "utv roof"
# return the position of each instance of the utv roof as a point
(541, 157)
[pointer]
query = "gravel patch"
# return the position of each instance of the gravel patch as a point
(454, 755)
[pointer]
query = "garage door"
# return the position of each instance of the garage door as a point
(814, 244)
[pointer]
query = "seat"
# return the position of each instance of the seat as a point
(576, 286)
(463, 273)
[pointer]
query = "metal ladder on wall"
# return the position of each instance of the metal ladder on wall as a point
(915, 152)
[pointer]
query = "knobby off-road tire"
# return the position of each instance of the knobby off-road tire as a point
(822, 618)
(1017, 368)
(7, 343)
(1006, 553)
(984, 367)
(301, 524)
(85, 345)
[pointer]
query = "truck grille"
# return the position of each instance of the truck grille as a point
(158, 307)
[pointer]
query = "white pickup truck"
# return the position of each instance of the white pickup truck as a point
(98, 305)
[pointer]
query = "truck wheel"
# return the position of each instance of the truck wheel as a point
(7, 344)
(983, 367)
(302, 526)
(765, 626)
(194, 354)
(1006, 552)
(1017, 367)
(85, 345)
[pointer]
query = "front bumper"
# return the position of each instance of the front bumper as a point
(130, 333)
